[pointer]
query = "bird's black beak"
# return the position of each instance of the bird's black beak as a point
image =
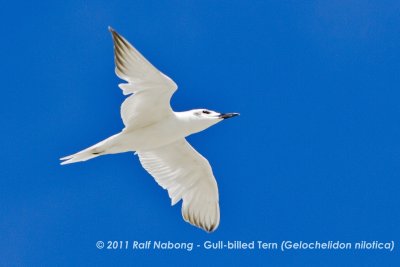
(228, 115)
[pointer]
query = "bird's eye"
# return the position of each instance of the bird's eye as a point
(206, 112)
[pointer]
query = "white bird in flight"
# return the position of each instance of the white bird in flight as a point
(157, 135)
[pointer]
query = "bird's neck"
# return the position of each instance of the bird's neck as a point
(189, 124)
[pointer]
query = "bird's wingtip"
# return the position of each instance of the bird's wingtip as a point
(111, 29)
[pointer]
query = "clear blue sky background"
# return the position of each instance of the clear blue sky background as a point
(315, 154)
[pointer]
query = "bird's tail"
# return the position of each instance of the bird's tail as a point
(96, 150)
(83, 155)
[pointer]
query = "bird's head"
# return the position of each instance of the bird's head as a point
(201, 119)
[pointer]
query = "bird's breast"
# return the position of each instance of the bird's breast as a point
(154, 135)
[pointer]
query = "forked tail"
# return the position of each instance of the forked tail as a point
(96, 150)
(83, 155)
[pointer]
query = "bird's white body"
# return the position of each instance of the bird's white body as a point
(175, 126)
(157, 134)
(148, 137)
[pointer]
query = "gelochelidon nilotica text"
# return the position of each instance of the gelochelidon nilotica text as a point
(157, 135)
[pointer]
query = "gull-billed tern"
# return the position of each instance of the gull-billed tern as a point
(157, 134)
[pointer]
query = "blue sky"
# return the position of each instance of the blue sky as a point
(314, 155)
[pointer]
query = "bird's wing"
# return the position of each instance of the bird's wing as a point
(187, 175)
(152, 89)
